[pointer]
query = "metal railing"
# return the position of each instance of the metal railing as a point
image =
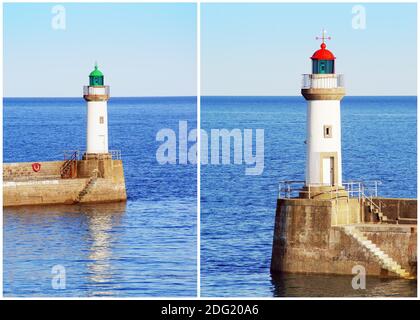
(355, 189)
(115, 154)
(68, 168)
(290, 189)
(69, 154)
(365, 191)
(322, 81)
(78, 155)
(95, 90)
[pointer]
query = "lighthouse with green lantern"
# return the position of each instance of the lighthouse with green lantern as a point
(96, 94)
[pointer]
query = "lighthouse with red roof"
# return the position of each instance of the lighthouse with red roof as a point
(322, 226)
(323, 89)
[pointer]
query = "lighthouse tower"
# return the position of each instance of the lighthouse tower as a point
(323, 89)
(96, 94)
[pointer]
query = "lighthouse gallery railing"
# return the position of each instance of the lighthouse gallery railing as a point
(95, 90)
(322, 81)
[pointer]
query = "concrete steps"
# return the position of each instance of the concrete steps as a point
(86, 189)
(375, 209)
(384, 260)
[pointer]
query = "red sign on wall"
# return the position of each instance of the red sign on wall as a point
(36, 166)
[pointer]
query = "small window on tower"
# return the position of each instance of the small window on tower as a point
(328, 131)
(101, 120)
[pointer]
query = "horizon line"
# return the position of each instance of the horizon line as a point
(195, 96)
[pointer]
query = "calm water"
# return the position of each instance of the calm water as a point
(146, 247)
(379, 142)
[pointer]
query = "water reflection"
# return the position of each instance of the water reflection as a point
(95, 228)
(308, 285)
(100, 222)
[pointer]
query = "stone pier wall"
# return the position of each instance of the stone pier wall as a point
(23, 186)
(306, 240)
(24, 171)
(395, 209)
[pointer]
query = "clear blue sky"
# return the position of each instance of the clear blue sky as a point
(262, 49)
(142, 49)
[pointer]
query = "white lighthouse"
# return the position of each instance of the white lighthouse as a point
(323, 89)
(96, 94)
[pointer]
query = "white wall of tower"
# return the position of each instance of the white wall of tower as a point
(322, 113)
(97, 127)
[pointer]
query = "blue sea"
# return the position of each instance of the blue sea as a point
(238, 210)
(145, 247)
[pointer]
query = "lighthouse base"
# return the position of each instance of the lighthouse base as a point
(323, 192)
(97, 156)
(330, 237)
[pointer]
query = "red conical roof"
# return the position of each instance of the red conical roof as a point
(323, 54)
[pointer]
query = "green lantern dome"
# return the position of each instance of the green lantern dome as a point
(96, 77)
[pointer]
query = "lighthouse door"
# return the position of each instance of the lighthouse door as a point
(102, 142)
(328, 171)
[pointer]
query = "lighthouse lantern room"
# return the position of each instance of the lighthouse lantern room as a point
(323, 89)
(96, 77)
(97, 95)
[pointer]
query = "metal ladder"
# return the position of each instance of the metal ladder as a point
(66, 169)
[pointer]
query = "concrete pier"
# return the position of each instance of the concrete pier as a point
(89, 181)
(330, 236)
